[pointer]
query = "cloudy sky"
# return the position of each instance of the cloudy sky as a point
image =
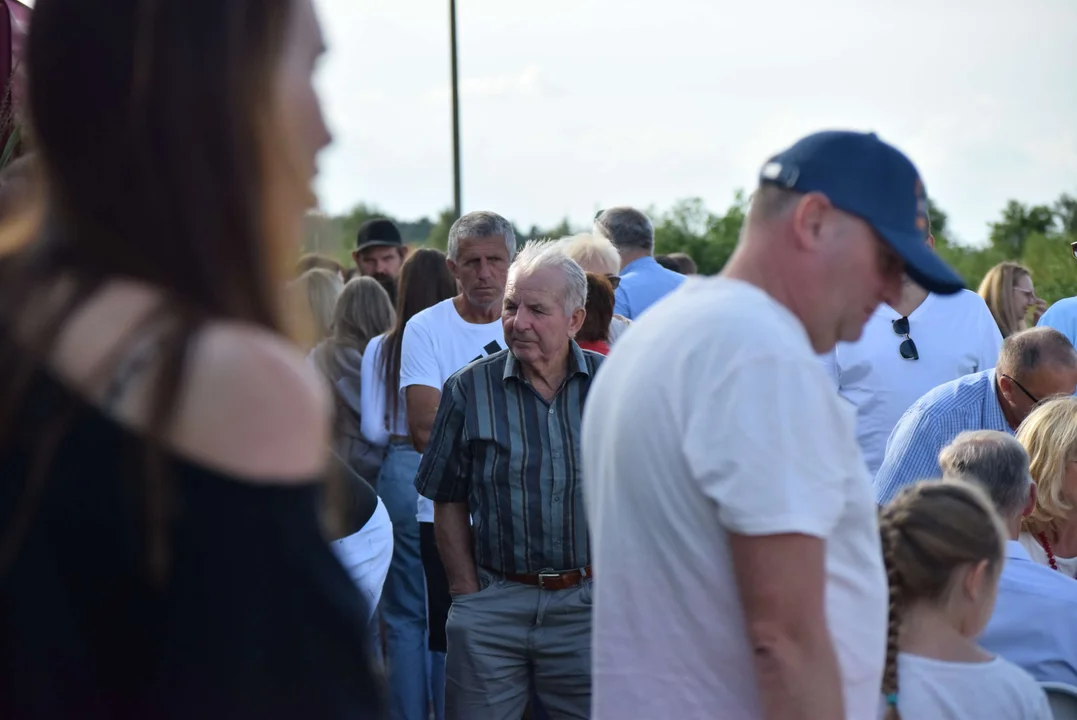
(572, 105)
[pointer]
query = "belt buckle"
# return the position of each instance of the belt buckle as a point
(547, 574)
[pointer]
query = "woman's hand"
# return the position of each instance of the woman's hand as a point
(1039, 307)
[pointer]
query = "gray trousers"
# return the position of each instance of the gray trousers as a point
(506, 636)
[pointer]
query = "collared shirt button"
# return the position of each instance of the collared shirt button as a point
(551, 411)
(557, 498)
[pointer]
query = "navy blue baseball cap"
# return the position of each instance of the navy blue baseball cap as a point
(866, 177)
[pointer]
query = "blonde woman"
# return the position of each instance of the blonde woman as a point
(1049, 435)
(597, 255)
(315, 294)
(363, 311)
(1007, 290)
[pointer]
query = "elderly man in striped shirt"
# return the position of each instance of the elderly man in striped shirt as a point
(504, 452)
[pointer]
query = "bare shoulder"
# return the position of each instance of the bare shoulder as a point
(252, 407)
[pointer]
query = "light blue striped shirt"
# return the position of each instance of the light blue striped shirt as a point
(933, 421)
(1033, 625)
(643, 283)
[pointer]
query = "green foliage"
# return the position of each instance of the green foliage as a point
(691, 228)
(1037, 236)
(1018, 222)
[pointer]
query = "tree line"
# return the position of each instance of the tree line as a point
(1037, 236)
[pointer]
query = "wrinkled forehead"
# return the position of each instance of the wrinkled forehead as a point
(490, 246)
(532, 285)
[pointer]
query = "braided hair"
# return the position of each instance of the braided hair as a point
(928, 532)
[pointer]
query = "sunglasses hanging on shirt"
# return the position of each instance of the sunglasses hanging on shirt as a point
(907, 347)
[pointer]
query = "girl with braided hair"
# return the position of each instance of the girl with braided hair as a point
(943, 548)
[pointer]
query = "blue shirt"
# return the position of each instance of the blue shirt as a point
(643, 283)
(1062, 316)
(1033, 625)
(933, 421)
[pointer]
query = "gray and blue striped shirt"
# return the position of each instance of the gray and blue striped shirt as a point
(515, 459)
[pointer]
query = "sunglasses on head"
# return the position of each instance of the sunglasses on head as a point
(1073, 249)
(615, 280)
(907, 347)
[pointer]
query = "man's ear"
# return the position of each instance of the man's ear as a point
(355, 258)
(404, 249)
(1030, 504)
(575, 322)
(808, 217)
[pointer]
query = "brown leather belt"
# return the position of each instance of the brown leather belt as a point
(551, 579)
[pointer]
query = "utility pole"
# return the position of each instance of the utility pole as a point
(455, 113)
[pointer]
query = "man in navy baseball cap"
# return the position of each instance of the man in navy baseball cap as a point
(866, 177)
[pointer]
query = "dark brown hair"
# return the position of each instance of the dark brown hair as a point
(150, 124)
(929, 531)
(425, 281)
(596, 326)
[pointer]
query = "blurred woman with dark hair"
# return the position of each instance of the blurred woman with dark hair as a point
(594, 334)
(163, 550)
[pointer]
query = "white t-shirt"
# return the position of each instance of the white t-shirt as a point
(939, 690)
(438, 342)
(1066, 566)
(375, 423)
(714, 416)
(955, 335)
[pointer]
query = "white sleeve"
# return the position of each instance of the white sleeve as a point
(830, 364)
(372, 402)
(418, 360)
(989, 338)
(765, 442)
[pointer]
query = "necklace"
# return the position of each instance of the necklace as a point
(1042, 537)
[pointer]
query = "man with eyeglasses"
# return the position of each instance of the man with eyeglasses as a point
(1033, 365)
(920, 342)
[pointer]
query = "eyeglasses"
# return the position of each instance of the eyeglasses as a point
(907, 347)
(1021, 387)
(1073, 249)
(615, 280)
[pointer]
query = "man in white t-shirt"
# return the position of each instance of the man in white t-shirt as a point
(738, 571)
(444, 338)
(437, 342)
(921, 342)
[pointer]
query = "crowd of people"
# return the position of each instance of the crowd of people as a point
(562, 478)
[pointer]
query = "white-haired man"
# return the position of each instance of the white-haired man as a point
(738, 564)
(505, 452)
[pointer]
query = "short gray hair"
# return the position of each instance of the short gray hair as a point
(539, 254)
(1024, 352)
(994, 460)
(627, 228)
(480, 224)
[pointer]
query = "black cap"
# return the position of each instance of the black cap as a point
(378, 232)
